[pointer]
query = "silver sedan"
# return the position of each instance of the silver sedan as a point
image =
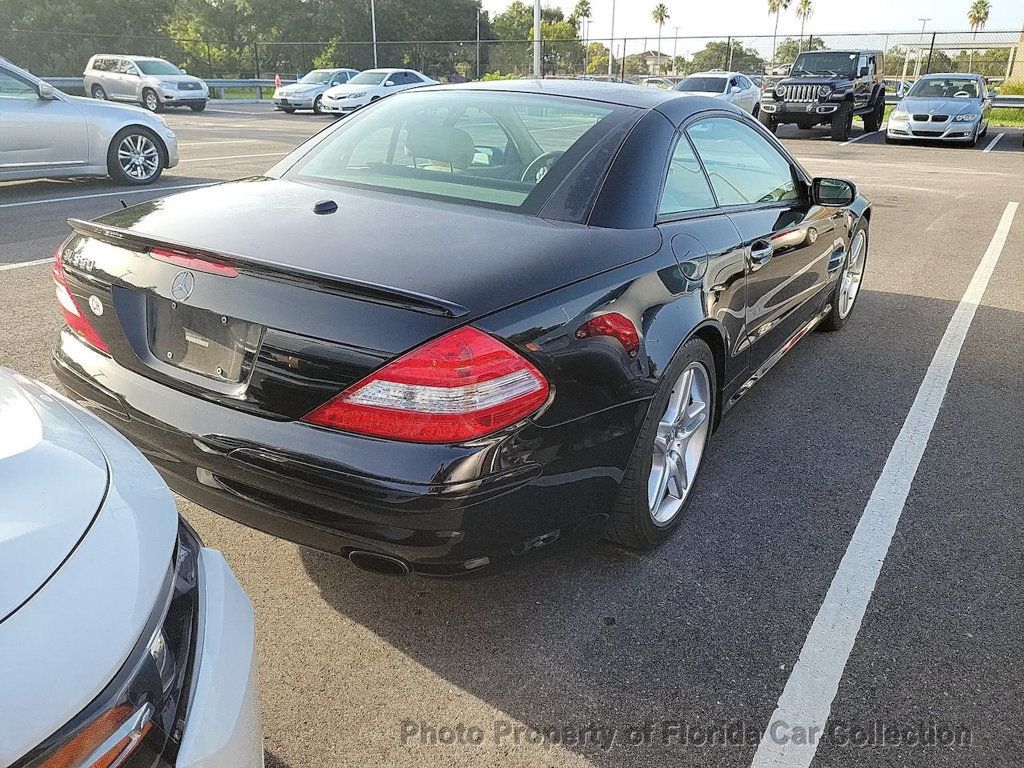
(45, 133)
(942, 107)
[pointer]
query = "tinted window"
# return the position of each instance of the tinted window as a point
(158, 67)
(831, 63)
(702, 84)
(744, 83)
(686, 188)
(14, 88)
(426, 144)
(743, 166)
(125, 67)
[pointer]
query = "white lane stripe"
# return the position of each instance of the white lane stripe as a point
(120, 193)
(993, 142)
(232, 157)
(20, 264)
(806, 700)
(239, 112)
(862, 136)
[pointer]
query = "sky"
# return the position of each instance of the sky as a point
(750, 17)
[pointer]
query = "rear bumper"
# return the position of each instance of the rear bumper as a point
(443, 510)
(222, 728)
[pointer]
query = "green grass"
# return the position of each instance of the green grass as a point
(1002, 117)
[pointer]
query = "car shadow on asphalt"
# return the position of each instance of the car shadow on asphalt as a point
(44, 189)
(704, 629)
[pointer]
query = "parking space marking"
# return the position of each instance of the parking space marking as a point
(994, 142)
(862, 136)
(231, 157)
(20, 264)
(106, 194)
(806, 700)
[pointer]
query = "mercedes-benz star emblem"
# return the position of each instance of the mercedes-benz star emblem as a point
(182, 285)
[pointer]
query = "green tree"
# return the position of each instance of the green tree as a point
(597, 59)
(776, 7)
(977, 17)
(580, 12)
(789, 48)
(804, 11)
(716, 55)
(660, 16)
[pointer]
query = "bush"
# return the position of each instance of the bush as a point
(1012, 89)
(499, 76)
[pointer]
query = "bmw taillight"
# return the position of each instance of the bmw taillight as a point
(69, 308)
(460, 386)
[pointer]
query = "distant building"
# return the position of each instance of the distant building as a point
(653, 58)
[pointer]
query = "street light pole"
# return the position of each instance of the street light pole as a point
(611, 41)
(373, 23)
(586, 44)
(675, 46)
(536, 40)
(478, 12)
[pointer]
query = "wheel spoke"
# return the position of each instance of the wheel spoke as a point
(678, 481)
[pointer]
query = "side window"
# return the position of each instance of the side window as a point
(743, 166)
(486, 132)
(14, 88)
(125, 67)
(732, 83)
(686, 188)
(744, 83)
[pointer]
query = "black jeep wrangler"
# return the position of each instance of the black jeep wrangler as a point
(828, 88)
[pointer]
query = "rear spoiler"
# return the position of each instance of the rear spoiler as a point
(356, 289)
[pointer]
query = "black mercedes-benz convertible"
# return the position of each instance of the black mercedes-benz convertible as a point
(463, 323)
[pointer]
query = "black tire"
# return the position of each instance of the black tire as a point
(842, 122)
(984, 132)
(117, 173)
(288, 110)
(631, 524)
(317, 109)
(873, 121)
(974, 140)
(834, 320)
(98, 92)
(200, 107)
(756, 112)
(804, 126)
(151, 101)
(769, 121)
(889, 140)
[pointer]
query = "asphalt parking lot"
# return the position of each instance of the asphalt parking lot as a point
(587, 645)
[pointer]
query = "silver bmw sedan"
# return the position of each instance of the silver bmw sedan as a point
(942, 107)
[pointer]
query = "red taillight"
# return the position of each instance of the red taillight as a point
(194, 263)
(463, 385)
(614, 325)
(73, 314)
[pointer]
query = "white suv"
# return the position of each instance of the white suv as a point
(153, 83)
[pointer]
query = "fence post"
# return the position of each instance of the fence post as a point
(728, 62)
(209, 59)
(931, 50)
(256, 64)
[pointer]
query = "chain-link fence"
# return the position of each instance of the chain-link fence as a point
(997, 55)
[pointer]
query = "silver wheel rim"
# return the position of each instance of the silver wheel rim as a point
(849, 283)
(679, 444)
(138, 156)
(99, 93)
(151, 101)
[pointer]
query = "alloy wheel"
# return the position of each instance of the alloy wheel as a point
(853, 272)
(138, 156)
(150, 101)
(682, 433)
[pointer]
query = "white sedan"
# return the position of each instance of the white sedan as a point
(369, 86)
(123, 641)
(734, 87)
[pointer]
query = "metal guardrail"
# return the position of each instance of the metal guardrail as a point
(1000, 102)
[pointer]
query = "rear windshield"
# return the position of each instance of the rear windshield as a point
(945, 88)
(472, 146)
(157, 67)
(702, 84)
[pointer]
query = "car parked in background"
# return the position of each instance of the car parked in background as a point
(369, 86)
(734, 87)
(307, 92)
(898, 87)
(45, 133)
(942, 107)
(123, 641)
(518, 311)
(828, 88)
(151, 82)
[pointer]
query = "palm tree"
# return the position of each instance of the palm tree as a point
(804, 10)
(660, 16)
(776, 7)
(977, 15)
(581, 11)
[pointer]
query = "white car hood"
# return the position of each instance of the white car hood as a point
(111, 554)
(711, 94)
(344, 90)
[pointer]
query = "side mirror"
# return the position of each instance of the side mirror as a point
(864, 71)
(47, 92)
(832, 192)
(389, 83)
(735, 89)
(183, 71)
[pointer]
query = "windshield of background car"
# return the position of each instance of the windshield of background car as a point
(478, 147)
(702, 84)
(368, 78)
(830, 63)
(317, 77)
(158, 67)
(945, 88)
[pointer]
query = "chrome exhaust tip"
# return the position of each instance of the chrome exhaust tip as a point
(374, 562)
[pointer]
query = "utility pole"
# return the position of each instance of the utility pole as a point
(611, 41)
(373, 23)
(675, 47)
(478, 12)
(537, 44)
(586, 45)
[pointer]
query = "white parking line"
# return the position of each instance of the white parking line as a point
(862, 136)
(239, 112)
(806, 701)
(231, 157)
(119, 193)
(20, 264)
(993, 142)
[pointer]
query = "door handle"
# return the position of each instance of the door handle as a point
(760, 253)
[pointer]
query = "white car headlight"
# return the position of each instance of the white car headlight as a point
(898, 115)
(824, 90)
(966, 118)
(357, 95)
